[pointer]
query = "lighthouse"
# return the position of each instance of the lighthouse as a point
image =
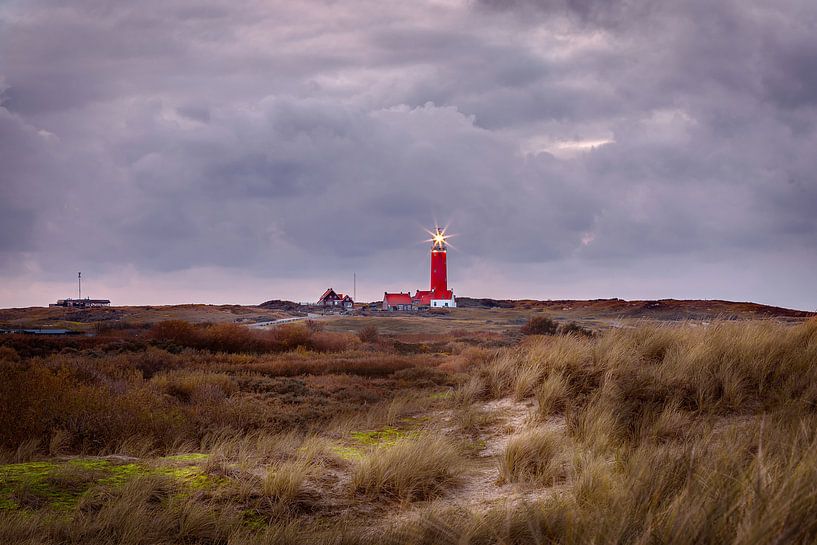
(439, 295)
(439, 272)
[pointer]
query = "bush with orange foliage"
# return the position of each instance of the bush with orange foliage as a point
(236, 339)
(102, 395)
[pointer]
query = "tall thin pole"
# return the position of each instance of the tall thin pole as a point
(79, 281)
(354, 288)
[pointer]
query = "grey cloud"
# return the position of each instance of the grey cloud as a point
(305, 139)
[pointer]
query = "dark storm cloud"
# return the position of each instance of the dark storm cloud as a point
(300, 140)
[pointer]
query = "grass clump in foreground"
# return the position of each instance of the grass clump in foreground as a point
(417, 468)
(285, 485)
(534, 456)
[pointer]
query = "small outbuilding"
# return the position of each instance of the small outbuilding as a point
(81, 303)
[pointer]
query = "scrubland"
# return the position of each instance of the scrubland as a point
(219, 434)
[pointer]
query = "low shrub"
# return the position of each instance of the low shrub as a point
(540, 325)
(8, 354)
(236, 339)
(572, 328)
(369, 334)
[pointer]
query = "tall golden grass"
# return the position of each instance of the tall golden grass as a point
(648, 435)
(675, 435)
(635, 373)
(414, 468)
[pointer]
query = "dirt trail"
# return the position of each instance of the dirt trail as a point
(480, 489)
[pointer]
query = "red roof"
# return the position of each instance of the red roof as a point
(447, 294)
(425, 296)
(392, 299)
(326, 294)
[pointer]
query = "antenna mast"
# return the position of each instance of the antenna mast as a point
(79, 281)
(354, 288)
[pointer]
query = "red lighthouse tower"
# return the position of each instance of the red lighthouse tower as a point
(439, 295)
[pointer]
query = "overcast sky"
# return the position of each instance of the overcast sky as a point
(234, 151)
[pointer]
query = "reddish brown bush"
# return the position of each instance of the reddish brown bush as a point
(7, 353)
(369, 334)
(96, 402)
(540, 325)
(238, 339)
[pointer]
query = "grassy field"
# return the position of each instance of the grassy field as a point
(136, 316)
(425, 430)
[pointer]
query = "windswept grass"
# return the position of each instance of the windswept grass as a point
(416, 468)
(635, 375)
(646, 435)
(284, 483)
(146, 511)
(745, 485)
(535, 456)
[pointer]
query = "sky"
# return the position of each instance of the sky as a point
(236, 151)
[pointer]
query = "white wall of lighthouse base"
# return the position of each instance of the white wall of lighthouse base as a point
(442, 303)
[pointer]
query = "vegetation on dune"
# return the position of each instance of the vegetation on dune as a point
(537, 455)
(140, 396)
(636, 373)
(60, 485)
(543, 325)
(676, 435)
(540, 325)
(751, 483)
(410, 469)
(638, 435)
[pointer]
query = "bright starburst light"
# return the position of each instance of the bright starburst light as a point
(439, 237)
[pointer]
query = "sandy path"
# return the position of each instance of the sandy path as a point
(479, 489)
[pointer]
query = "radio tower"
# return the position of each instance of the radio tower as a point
(79, 281)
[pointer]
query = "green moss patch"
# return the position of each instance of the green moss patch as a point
(59, 485)
(347, 453)
(34, 485)
(192, 476)
(379, 438)
(364, 440)
(190, 457)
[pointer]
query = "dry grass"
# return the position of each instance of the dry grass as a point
(553, 395)
(412, 469)
(635, 374)
(144, 512)
(701, 492)
(535, 456)
(285, 484)
(145, 399)
(673, 435)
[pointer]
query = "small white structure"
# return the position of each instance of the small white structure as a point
(444, 303)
